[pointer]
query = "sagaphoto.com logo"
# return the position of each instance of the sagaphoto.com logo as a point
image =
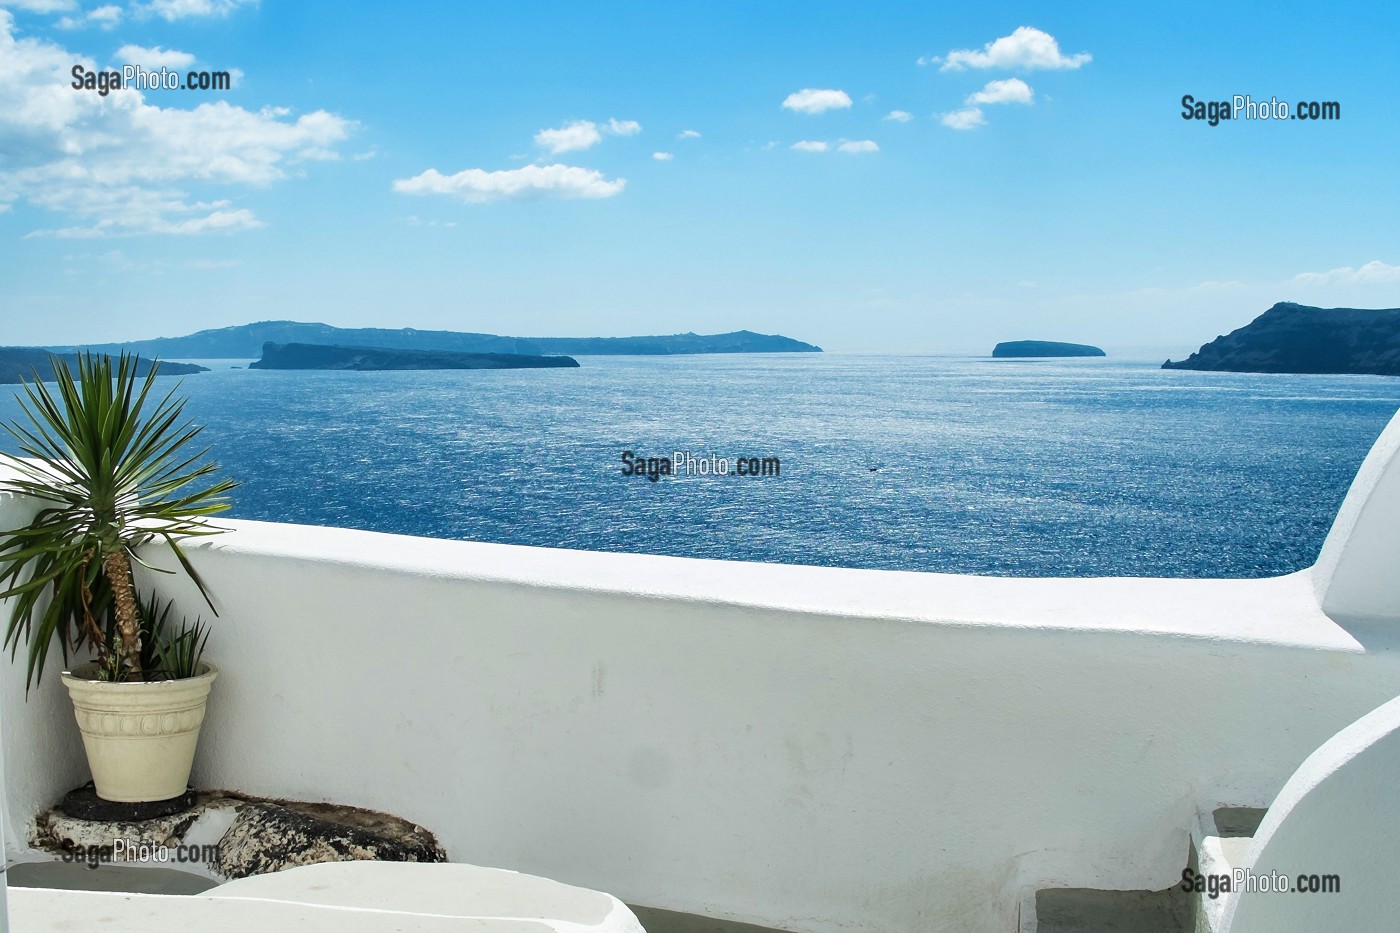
(138, 78)
(1245, 107)
(685, 463)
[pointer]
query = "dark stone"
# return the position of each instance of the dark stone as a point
(369, 359)
(246, 340)
(263, 835)
(82, 803)
(267, 837)
(1042, 348)
(20, 364)
(1293, 338)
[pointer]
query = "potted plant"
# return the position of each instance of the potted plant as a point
(110, 475)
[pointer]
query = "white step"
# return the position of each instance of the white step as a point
(340, 897)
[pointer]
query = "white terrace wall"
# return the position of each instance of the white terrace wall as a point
(806, 748)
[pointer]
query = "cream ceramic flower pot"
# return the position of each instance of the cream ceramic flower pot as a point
(139, 737)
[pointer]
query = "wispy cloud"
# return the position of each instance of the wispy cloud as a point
(414, 221)
(899, 116)
(105, 17)
(662, 156)
(813, 100)
(856, 146)
(688, 134)
(42, 6)
(1026, 48)
(811, 145)
(622, 127)
(153, 58)
(1374, 272)
(477, 186)
(966, 119)
(171, 10)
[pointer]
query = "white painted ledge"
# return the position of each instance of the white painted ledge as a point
(1277, 610)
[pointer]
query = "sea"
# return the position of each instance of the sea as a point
(958, 464)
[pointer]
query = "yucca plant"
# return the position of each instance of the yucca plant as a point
(165, 652)
(109, 477)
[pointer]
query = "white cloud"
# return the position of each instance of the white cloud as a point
(1009, 91)
(854, 146)
(812, 100)
(106, 18)
(662, 156)
(171, 10)
(119, 165)
(966, 119)
(154, 58)
(571, 137)
(1027, 48)
(899, 116)
(688, 134)
(623, 127)
(1374, 272)
(583, 134)
(475, 186)
(810, 145)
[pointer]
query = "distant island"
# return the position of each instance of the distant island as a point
(246, 341)
(1294, 338)
(370, 359)
(1023, 348)
(18, 364)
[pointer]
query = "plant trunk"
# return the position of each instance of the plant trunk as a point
(118, 570)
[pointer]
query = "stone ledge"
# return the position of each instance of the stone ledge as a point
(239, 836)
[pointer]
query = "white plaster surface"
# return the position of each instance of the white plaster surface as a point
(808, 748)
(445, 890)
(1339, 815)
(41, 910)
(1356, 571)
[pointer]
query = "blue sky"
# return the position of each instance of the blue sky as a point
(493, 167)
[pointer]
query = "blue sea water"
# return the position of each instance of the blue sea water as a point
(959, 464)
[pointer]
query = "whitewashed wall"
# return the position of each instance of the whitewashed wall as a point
(813, 749)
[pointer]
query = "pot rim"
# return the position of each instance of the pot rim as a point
(80, 674)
